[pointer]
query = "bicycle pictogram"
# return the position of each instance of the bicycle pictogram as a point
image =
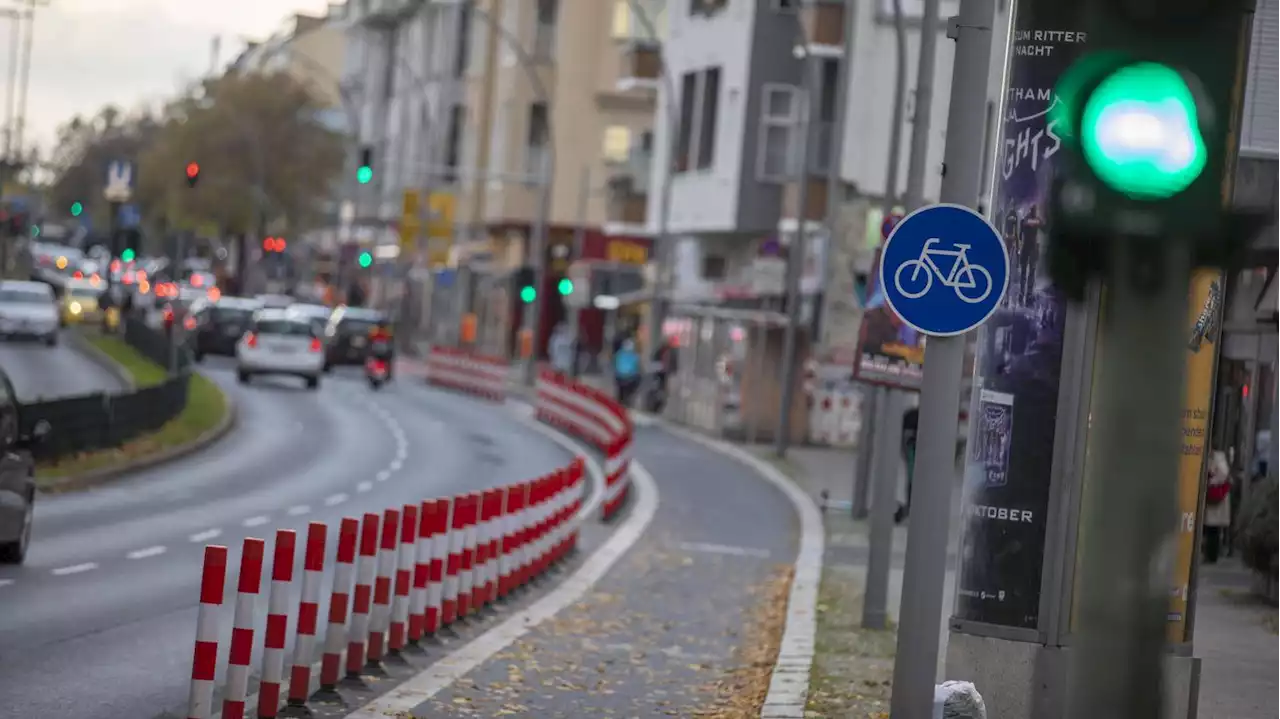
(971, 283)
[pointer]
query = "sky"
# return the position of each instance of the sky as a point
(88, 53)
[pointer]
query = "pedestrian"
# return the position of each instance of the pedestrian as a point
(910, 425)
(561, 348)
(626, 371)
(1217, 505)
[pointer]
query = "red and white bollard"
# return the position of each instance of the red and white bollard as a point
(277, 630)
(362, 597)
(540, 523)
(380, 616)
(497, 528)
(439, 554)
(204, 662)
(579, 496)
(524, 542)
(466, 574)
(558, 506)
(304, 646)
(248, 586)
(511, 496)
(335, 636)
(421, 573)
(481, 557)
(404, 578)
(453, 563)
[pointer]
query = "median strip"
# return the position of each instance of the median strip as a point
(206, 417)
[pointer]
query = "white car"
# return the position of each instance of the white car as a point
(280, 343)
(29, 309)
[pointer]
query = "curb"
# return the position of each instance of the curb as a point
(789, 683)
(100, 358)
(102, 475)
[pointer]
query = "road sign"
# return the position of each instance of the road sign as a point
(119, 187)
(129, 216)
(944, 270)
(889, 222)
(410, 222)
(441, 208)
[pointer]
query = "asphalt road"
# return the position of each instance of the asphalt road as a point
(100, 622)
(38, 371)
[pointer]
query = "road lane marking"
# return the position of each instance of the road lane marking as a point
(257, 521)
(299, 510)
(710, 548)
(5, 582)
(334, 500)
(75, 569)
(397, 464)
(364, 486)
(144, 553)
(206, 535)
(383, 476)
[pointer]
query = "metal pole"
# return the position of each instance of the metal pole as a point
(579, 244)
(21, 121)
(915, 668)
(875, 600)
(1126, 530)
(15, 29)
(795, 262)
(538, 250)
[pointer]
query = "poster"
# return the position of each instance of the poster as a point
(1202, 333)
(1008, 464)
(890, 353)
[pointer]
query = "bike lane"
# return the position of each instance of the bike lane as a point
(685, 623)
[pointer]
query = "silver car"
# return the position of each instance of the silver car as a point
(28, 309)
(17, 476)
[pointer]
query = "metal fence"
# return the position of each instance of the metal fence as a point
(105, 420)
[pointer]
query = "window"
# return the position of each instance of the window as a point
(477, 44)
(617, 143)
(779, 114)
(463, 46)
(535, 155)
(707, 117)
(453, 147)
(389, 77)
(544, 38)
(684, 141)
(714, 267)
(646, 142)
(620, 26)
(829, 76)
(706, 7)
(785, 5)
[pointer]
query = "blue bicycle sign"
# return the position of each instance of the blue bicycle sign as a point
(944, 270)
(972, 283)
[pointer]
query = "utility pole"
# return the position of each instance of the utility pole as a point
(21, 120)
(579, 243)
(916, 661)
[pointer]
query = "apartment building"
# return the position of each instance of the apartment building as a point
(311, 48)
(740, 66)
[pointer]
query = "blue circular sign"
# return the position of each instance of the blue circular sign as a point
(944, 270)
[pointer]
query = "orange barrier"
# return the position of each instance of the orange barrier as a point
(594, 416)
(468, 372)
(438, 562)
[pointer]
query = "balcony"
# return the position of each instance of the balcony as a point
(820, 159)
(823, 22)
(380, 12)
(640, 66)
(628, 191)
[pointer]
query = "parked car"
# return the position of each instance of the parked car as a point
(221, 325)
(275, 302)
(81, 302)
(280, 344)
(17, 475)
(347, 336)
(28, 309)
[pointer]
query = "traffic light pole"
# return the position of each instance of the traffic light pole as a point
(1128, 528)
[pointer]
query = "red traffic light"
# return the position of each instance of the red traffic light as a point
(274, 244)
(193, 170)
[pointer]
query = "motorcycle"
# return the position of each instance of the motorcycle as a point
(378, 372)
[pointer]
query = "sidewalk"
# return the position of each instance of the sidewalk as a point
(1235, 637)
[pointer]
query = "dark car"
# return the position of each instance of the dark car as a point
(17, 475)
(222, 324)
(347, 336)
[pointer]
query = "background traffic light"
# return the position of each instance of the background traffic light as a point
(77, 209)
(193, 174)
(274, 244)
(565, 286)
(366, 259)
(364, 173)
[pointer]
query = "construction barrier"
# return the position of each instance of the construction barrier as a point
(465, 371)
(594, 416)
(405, 574)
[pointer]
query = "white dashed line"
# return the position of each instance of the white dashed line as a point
(206, 535)
(334, 500)
(299, 510)
(75, 569)
(383, 476)
(5, 582)
(397, 464)
(144, 553)
(257, 521)
(364, 486)
(710, 548)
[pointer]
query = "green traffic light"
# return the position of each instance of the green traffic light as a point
(76, 209)
(364, 175)
(565, 286)
(1140, 132)
(528, 294)
(366, 259)
(127, 255)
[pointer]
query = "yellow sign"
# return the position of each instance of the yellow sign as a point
(631, 253)
(1203, 333)
(410, 223)
(441, 207)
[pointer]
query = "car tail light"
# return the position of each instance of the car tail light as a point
(79, 275)
(190, 323)
(315, 344)
(251, 340)
(214, 294)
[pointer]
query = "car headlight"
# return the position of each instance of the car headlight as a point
(75, 308)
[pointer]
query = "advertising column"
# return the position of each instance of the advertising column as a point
(1020, 349)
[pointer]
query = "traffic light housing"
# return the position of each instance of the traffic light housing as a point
(364, 173)
(522, 283)
(1147, 119)
(193, 174)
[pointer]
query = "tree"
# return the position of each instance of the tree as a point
(84, 149)
(261, 151)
